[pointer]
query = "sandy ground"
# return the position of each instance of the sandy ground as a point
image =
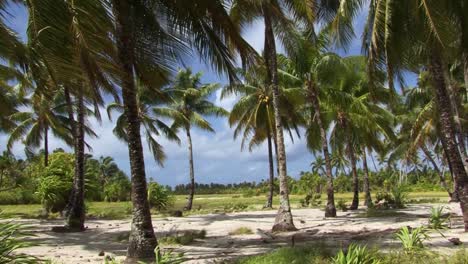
(107, 235)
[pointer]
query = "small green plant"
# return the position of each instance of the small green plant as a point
(356, 254)
(412, 239)
(11, 239)
(168, 257)
(400, 196)
(241, 231)
(438, 220)
(159, 197)
(342, 205)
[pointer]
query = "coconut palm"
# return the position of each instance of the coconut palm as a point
(143, 41)
(275, 14)
(253, 114)
(348, 103)
(190, 100)
(33, 127)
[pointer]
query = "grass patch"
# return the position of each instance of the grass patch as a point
(320, 255)
(184, 238)
(203, 204)
(372, 212)
(287, 255)
(241, 231)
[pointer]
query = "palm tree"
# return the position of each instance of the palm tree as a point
(253, 114)
(277, 22)
(312, 70)
(33, 127)
(359, 117)
(142, 41)
(191, 102)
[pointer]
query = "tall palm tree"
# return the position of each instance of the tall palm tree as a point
(143, 41)
(277, 22)
(190, 100)
(253, 114)
(312, 70)
(357, 115)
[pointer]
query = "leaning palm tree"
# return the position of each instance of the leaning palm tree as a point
(431, 44)
(190, 100)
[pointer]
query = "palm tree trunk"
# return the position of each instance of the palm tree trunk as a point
(272, 172)
(448, 130)
(142, 241)
(46, 145)
(76, 212)
(284, 218)
(330, 210)
(188, 207)
(276, 153)
(436, 168)
(71, 118)
(352, 159)
(368, 198)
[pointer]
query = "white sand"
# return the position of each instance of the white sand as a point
(104, 235)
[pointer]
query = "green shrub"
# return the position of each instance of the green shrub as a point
(342, 205)
(11, 239)
(438, 220)
(168, 257)
(356, 254)
(412, 240)
(53, 191)
(287, 255)
(117, 191)
(400, 196)
(159, 197)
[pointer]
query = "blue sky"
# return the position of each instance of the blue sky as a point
(217, 156)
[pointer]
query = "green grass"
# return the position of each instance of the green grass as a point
(241, 231)
(203, 204)
(320, 255)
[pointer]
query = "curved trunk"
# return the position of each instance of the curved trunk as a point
(443, 183)
(330, 209)
(188, 207)
(142, 241)
(448, 130)
(284, 218)
(368, 198)
(269, 203)
(46, 145)
(76, 210)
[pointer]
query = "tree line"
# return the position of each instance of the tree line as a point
(78, 53)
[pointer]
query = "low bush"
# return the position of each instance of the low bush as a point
(235, 207)
(159, 197)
